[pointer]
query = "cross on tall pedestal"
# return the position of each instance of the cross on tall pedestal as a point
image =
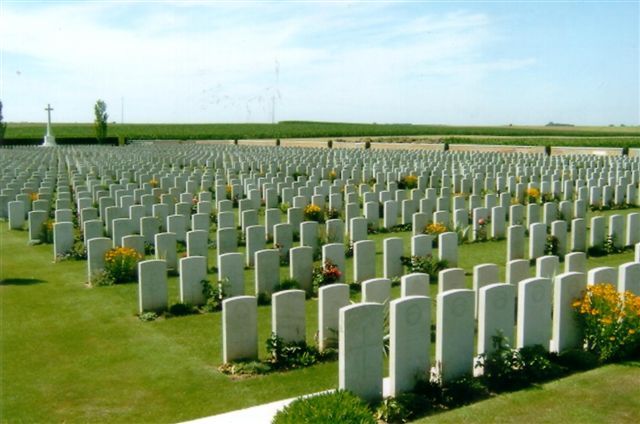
(49, 139)
(48, 109)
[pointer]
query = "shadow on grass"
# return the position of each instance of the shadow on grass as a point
(20, 281)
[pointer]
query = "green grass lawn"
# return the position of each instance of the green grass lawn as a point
(74, 354)
(610, 394)
(527, 135)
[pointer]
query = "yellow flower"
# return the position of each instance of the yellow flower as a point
(436, 228)
(533, 192)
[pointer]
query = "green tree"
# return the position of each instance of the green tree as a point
(3, 125)
(100, 122)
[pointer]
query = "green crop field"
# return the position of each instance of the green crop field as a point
(522, 135)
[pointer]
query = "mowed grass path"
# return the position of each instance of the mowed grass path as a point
(74, 354)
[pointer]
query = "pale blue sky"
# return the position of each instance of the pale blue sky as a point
(420, 62)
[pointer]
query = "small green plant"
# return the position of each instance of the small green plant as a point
(263, 299)
(180, 309)
(335, 407)
(609, 246)
(245, 368)
(332, 213)
(284, 207)
(502, 367)
(214, 294)
(408, 182)
(538, 365)
(47, 231)
(101, 278)
(463, 391)
(148, 316)
(428, 264)
(289, 355)
(551, 245)
(287, 284)
(78, 252)
(394, 410)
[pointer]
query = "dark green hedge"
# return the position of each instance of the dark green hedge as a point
(81, 141)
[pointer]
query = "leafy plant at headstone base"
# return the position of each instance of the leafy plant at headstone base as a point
(395, 409)
(264, 299)
(402, 227)
(502, 367)
(194, 205)
(481, 230)
(148, 316)
(327, 273)
(339, 406)
(100, 121)
(101, 278)
(180, 309)
(149, 249)
(348, 249)
(435, 229)
(551, 245)
(408, 182)
(532, 195)
(284, 207)
(294, 354)
(333, 175)
(538, 365)
(78, 252)
(297, 174)
(428, 264)
(463, 234)
(286, 284)
(610, 322)
(246, 368)
(122, 264)
(609, 246)
(332, 213)
(371, 229)
(313, 213)
(47, 231)
(214, 294)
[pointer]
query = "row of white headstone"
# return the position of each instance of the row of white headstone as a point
(538, 310)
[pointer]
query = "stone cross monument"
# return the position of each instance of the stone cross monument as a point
(49, 139)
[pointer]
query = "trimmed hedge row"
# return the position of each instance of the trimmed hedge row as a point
(81, 141)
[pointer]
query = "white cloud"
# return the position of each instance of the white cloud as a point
(342, 62)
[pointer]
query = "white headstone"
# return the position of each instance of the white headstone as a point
(410, 341)
(360, 350)
(239, 328)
